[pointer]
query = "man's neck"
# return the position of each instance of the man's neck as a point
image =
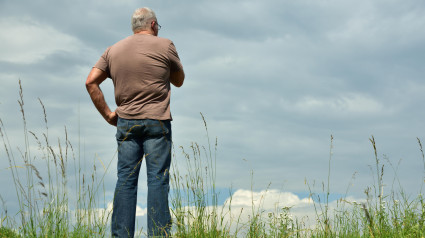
(144, 33)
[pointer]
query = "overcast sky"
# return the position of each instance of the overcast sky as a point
(274, 80)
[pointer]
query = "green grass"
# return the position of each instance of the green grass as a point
(45, 207)
(7, 232)
(52, 206)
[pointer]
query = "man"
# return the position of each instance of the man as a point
(141, 66)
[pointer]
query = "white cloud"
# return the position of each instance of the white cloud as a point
(246, 203)
(141, 211)
(239, 209)
(268, 199)
(26, 40)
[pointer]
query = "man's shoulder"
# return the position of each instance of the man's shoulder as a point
(165, 40)
(123, 41)
(161, 41)
(157, 43)
(145, 43)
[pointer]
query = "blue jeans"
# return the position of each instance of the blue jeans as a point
(138, 138)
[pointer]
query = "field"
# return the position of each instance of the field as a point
(53, 204)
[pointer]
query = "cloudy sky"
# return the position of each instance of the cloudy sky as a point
(274, 80)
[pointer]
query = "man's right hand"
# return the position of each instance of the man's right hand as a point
(112, 118)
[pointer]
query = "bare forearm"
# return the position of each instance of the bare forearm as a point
(98, 99)
(95, 78)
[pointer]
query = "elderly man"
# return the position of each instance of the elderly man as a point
(141, 66)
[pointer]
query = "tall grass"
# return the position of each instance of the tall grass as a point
(52, 204)
(44, 199)
(194, 198)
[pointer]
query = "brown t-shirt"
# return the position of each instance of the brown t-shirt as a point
(140, 67)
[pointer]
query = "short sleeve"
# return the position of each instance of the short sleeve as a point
(175, 64)
(102, 63)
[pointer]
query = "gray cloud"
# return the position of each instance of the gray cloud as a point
(274, 80)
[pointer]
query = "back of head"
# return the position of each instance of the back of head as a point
(142, 18)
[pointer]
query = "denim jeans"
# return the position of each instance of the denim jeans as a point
(138, 138)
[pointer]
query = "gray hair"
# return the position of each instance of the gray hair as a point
(142, 18)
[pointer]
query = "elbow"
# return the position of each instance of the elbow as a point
(177, 78)
(95, 78)
(181, 79)
(179, 84)
(88, 85)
